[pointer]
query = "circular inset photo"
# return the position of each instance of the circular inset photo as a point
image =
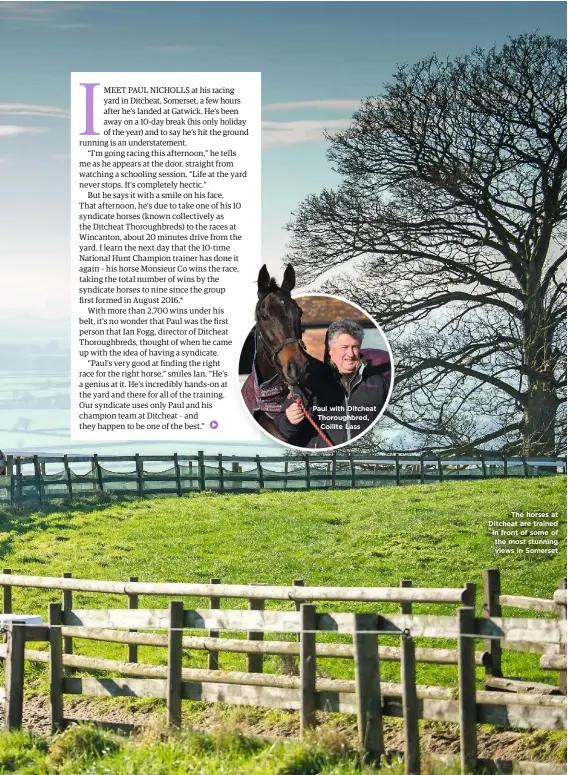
(316, 371)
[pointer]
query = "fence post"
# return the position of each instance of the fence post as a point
(285, 475)
(133, 605)
(470, 595)
(94, 473)
(259, 472)
(20, 486)
(422, 468)
(99, 472)
(255, 661)
(334, 469)
(68, 477)
(67, 599)
(353, 477)
(178, 474)
(367, 684)
(55, 667)
(562, 615)
(139, 475)
(440, 470)
(38, 481)
(235, 470)
(9, 465)
(299, 583)
(525, 468)
(505, 463)
(175, 654)
(492, 607)
(14, 677)
(397, 469)
(467, 695)
(409, 705)
(406, 608)
(7, 593)
(308, 624)
(215, 604)
(221, 473)
(483, 466)
(12, 486)
(308, 473)
(298, 603)
(201, 469)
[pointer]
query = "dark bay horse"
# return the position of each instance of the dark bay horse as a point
(280, 361)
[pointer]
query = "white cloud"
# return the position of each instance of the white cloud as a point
(37, 12)
(279, 133)
(315, 105)
(27, 109)
(7, 130)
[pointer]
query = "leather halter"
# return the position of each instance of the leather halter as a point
(274, 353)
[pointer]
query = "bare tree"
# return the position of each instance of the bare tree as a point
(450, 226)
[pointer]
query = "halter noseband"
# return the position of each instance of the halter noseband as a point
(291, 340)
(274, 353)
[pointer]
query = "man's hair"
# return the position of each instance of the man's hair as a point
(344, 326)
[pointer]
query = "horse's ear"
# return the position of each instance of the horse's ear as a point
(263, 282)
(289, 280)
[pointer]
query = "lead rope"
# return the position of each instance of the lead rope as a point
(311, 420)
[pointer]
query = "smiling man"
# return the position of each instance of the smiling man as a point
(344, 339)
(350, 400)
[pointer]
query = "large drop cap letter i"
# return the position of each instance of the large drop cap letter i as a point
(89, 108)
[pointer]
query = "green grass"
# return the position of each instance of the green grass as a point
(437, 535)
(91, 751)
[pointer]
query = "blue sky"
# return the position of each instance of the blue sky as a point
(318, 60)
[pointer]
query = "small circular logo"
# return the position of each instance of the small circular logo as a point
(213, 424)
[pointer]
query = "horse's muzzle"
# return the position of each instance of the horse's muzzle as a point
(296, 370)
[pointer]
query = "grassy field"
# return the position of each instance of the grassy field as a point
(91, 751)
(437, 535)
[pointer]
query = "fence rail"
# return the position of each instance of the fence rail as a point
(28, 480)
(552, 658)
(366, 695)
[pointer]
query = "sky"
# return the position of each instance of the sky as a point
(318, 61)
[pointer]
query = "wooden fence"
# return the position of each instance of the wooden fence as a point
(28, 480)
(366, 696)
(552, 657)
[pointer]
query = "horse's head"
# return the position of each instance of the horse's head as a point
(278, 326)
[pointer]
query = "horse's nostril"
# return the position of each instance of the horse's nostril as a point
(296, 371)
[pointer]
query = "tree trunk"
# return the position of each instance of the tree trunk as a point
(541, 400)
(539, 420)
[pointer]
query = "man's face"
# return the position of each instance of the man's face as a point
(345, 353)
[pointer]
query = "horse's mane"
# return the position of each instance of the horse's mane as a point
(273, 286)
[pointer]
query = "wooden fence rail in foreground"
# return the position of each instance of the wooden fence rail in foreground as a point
(295, 593)
(367, 696)
(553, 658)
(29, 482)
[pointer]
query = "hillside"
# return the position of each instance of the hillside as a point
(436, 535)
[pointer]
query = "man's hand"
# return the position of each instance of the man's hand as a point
(294, 414)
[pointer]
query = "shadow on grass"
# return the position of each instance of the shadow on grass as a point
(18, 520)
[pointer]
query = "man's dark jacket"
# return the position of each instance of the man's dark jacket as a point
(342, 409)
